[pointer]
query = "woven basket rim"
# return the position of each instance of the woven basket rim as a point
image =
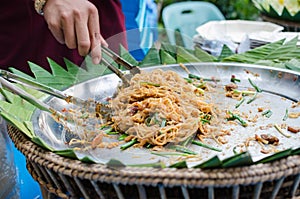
(192, 177)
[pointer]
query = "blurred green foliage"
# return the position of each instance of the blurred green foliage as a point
(232, 9)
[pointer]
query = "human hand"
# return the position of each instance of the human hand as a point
(76, 24)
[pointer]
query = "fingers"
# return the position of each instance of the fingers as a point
(76, 25)
(82, 34)
(94, 32)
(96, 48)
(98, 41)
(96, 38)
(58, 34)
(67, 24)
(54, 25)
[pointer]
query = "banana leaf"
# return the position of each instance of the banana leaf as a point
(166, 58)
(70, 154)
(179, 165)
(152, 58)
(241, 159)
(184, 56)
(19, 102)
(204, 56)
(41, 143)
(95, 70)
(86, 160)
(127, 56)
(20, 73)
(170, 49)
(66, 153)
(79, 73)
(113, 163)
(293, 64)
(284, 54)
(43, 76)
(277, 52)
(15, 121)
(17, 111)
(226, 52)
(153, 165)
(255, 54)
(271, 63)
(296, 151)
(213, 162)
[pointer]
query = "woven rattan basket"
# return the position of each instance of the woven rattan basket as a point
(68, 178)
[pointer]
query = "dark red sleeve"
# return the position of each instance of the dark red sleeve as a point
(24, 35)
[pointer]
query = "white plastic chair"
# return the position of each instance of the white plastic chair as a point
(186, 16)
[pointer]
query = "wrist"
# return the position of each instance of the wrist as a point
(39, 6)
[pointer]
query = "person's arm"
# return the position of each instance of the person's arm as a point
(75, 23)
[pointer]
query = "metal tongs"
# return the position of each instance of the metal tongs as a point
(7, 77)
(133, 70)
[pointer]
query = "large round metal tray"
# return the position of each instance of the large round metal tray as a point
(280, 90)
(69, 178)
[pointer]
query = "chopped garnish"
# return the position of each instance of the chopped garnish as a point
(122, 137)
(188, 80)
(187, 141)
(255, 86)
(286, 115)
(293, 129)
(164, 154)
(244, 92)
(201, 85)
(204, 121)
(252, 98)
(235, 116)
(128, 144)
(183, 149)
(199, 143)
(113, 133)
(199, 91)
(267, 113)
(231, 87)
(192, 76)
(278, 128)
(163, 123)
(154, 119)
(150, 84)
(108, 130)
(260, 139)
(270, 138)
(240, 103)
(233, 79)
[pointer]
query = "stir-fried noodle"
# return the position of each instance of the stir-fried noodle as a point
(160, 107)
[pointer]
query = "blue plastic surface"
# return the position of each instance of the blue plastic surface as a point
(29, 188)
(141, 26)
(186, 16)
